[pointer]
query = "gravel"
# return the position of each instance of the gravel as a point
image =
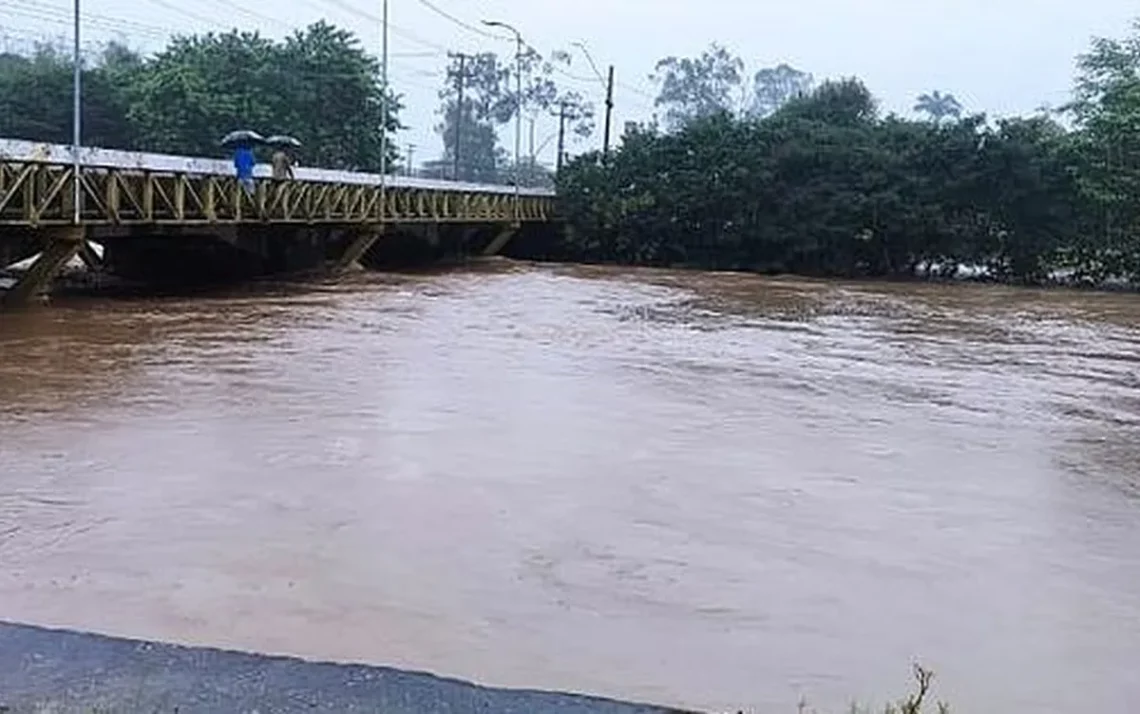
(43, 670)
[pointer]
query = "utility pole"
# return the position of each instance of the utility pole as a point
(563, 117)
(411, 156)
(460, 81)
(561, 137)
(609, 111)
(609, 85)
(518, 112)
(532, 161)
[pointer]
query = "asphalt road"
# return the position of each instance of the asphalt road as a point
(58, 671)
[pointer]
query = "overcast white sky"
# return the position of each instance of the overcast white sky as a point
(998, 56)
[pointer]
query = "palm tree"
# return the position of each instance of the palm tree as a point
(938, 106)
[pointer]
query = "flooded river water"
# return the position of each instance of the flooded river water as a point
(696, 489)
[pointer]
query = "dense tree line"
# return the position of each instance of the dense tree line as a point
(815, 180)
(317, 84)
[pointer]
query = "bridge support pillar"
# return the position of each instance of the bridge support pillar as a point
(359, 245)
(62, 245)
(90, 258)
(501, 240)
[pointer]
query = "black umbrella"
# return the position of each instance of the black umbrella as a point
(283, 141)
(242, 136)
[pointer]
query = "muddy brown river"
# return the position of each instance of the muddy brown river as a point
(696, 489)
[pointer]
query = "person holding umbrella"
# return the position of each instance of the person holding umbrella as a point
(282, 161)
(243, 142)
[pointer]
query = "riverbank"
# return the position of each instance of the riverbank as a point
(1061, 279)
(44, 670)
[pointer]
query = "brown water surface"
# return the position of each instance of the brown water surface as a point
(699, 489)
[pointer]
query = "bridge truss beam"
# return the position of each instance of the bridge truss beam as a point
(41, 194)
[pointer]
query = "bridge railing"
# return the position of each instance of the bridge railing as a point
(125, 188)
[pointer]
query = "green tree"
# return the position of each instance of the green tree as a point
(826, 186)
(773, 87)
(1106, 111)
(1031, 197)
(490, 99)
(318, 85)
(938, 106)
(546, 95)
(531, 174)
(201, 87)
(485, 106)
(834, 102)
(332, 98)
(697, 88)
(36, 96)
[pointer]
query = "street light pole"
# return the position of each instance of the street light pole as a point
(76, 120)
(519, 110)
(383, 114)
(518, 122)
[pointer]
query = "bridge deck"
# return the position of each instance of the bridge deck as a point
(129, 188)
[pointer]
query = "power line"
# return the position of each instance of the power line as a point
(635, 90)
(59, 16)
(228, 6)
(395, 29)
(55, 15)
(575, 77)
(193, 16)
(466, 25)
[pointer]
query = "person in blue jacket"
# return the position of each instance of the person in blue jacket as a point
(244, 162)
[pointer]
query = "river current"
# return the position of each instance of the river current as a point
(710, 490)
